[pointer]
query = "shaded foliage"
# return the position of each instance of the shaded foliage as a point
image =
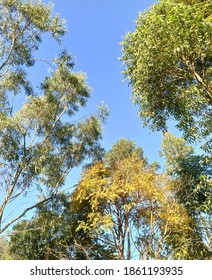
(51, 235)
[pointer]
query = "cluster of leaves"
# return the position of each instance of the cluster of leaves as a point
(168, 63)
(194, 173)
(22, 26)
(3, 248)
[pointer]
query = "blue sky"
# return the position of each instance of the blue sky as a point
(96, 29)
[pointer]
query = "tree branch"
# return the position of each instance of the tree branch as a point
(32, 207)
(198, 78)
(24, 212)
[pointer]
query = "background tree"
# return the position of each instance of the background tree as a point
(51, 235)
(3, 248)
(41, 140)
(191, 175)
(167, 60)
(193, 171)
(132, 203)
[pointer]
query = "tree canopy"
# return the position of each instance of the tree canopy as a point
(51, 235)
(167, 60)
(135, 205)
(41, 140)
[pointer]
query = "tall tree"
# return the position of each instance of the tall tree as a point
(134, 204)
(191, 175)
(41, 140)
(167, 60)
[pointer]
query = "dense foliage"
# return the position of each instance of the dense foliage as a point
(51, 235)
(168, 63)
(138, 207)
(123, 208)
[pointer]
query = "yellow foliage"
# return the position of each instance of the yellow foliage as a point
(132, 186)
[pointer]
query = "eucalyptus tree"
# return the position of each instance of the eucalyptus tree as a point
(167, 60)
(41, 138)
(192, 180)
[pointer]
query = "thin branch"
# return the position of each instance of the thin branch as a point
(9, 192)
(24, 212)
(9, 54)
(48, 61)
(34, 206)
(2, 74)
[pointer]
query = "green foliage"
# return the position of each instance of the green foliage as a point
(121, 150)
(191, 175)
(167, 60)
(40, 237)
(22, 26)
(51, 235)
(42, 140)
(193, 172)
(3, 248)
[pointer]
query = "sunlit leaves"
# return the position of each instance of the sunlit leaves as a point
(192, 171)
(130, 201)
(22, 26)
(191, 179)
(167, 60)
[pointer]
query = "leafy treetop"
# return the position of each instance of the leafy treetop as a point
(167, 60)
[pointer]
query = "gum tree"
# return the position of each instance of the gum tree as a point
(41, 140)
(191, 175)
(167, 61)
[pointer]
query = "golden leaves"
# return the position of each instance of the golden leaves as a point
(131, 187)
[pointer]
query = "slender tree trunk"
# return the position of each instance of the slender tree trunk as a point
(128, 245)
